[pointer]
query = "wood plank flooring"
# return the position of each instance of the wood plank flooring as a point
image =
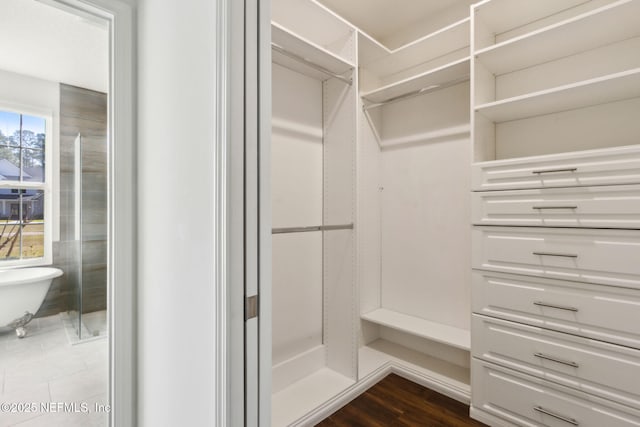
(397, 402)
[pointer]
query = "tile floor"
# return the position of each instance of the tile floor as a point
(45, 367)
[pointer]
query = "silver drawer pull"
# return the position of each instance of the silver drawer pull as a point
(559, 307)
(554, 359)
(555, 254)
(555, 415)
(538, 172)
(554, 207)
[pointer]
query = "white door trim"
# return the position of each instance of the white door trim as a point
(121, 297)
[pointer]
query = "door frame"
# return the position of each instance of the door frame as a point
(122, 254)
(243, 211)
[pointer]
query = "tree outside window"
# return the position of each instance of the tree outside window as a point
(22, 186)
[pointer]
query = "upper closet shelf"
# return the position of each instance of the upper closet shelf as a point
(439, 78)
(503, 15)
(450, 335)
(565, 38)
(298, 54)
(610, 88)
(446, 40)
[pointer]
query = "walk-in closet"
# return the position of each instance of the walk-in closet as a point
(455, 195)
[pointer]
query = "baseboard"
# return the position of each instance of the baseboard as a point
(449, 390)
(488, 419)
(333, 405)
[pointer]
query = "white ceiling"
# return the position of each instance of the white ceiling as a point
(383, 18)
(41, 41)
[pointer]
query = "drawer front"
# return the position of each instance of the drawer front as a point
(596, 167)
(607, 370)
(609, 257)
(615, 206)
(600, 312)
(525, 400)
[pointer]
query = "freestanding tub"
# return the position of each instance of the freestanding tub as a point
(22, 291)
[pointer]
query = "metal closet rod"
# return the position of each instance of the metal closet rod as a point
(284, 230)
(313, 65)
(422, 91)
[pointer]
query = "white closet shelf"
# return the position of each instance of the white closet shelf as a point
(450, 335)
(441, 76)
(503, 15)
(436, 372)
(311, 52)
(370, 49)
(564, 38)
(307, 394)
(446, 40)
(600, 90)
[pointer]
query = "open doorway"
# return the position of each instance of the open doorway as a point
(57, 138)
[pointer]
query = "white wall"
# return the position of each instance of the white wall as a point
(296, 177)
(28, 94)
(177, 351)
(75, 49)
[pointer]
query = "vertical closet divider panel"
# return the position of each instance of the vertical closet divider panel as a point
(339, 256)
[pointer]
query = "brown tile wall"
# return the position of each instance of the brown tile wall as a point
(81, 111)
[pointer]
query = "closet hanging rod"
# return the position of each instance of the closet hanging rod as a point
(422, 91)
(313, 65)
(284, 230)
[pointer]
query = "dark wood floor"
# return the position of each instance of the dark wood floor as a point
(396, 402)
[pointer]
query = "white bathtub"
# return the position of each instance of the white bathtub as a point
(22, 291)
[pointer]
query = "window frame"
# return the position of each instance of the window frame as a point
(46, 187)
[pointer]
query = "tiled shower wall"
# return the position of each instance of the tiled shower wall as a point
(83, 112)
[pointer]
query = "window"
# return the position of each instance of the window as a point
(24, 189)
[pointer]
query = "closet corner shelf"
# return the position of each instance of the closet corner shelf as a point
(433, 79)
(450, 335)
(564, 38)
(503, 15)
(370, 49)
(307, 50)
(600, 90)
(420, 367)
(446, 40)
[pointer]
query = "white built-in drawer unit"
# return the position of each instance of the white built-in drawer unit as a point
(616, 206)
(599, 312)
(612, 166)
(606, 370)
(525, 400)
(610, 257)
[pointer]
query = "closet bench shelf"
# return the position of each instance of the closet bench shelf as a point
(564, 38)
(437, 374)
(600, 90)
(441, 77)
(283, 39)
(438, 332)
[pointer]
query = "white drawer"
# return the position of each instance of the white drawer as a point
(528, 401)
(585, 168)
(601, 312)
(615, 206)
(607, 370)
(609, 257)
